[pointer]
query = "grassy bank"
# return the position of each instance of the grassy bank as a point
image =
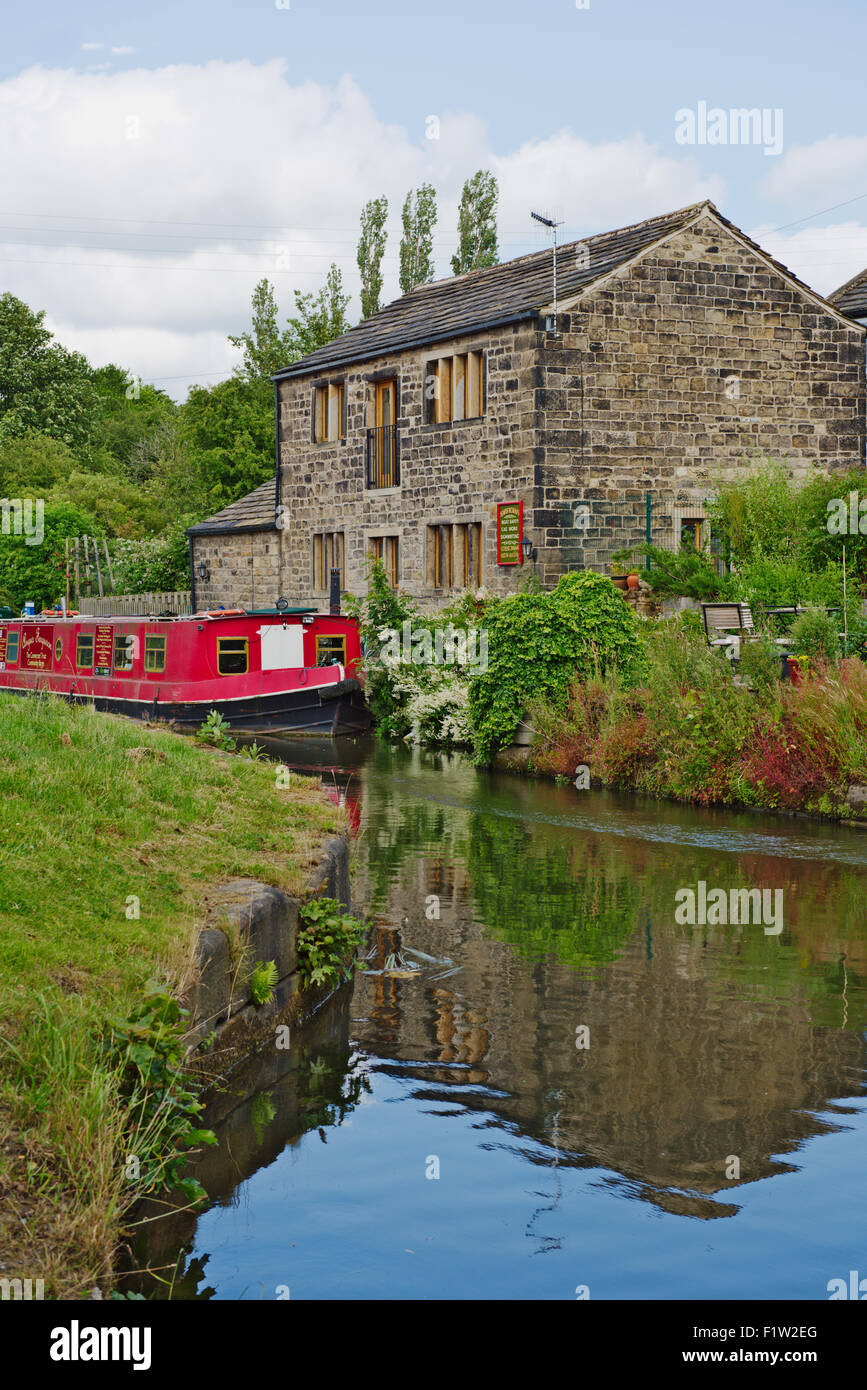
(111, 835)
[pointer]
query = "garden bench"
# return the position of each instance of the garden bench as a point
(735, 619)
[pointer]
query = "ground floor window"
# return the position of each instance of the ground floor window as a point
(454, 556)
(387, 550)
(328, 551)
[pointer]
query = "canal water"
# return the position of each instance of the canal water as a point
(574, 1094)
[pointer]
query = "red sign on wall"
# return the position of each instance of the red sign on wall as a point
(510, 533)
(37, 644)
(102, 650)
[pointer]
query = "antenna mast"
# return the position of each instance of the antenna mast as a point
(550, 223)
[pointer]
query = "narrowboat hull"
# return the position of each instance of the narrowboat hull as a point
(107, 664)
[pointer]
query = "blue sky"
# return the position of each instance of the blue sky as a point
(157, 160)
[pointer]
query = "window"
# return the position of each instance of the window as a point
(454, 388)
(454, 556)
(124, 651)
(155, 654)
(12, 649)
(386, 549)
(327, 555)
(330, 649)
(328, 413)
(84, 649)
(233, 656)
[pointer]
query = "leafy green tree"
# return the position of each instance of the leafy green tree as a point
(416, 246)
(371, 248)
(266, 349)
(43, 387)
(477, 224)
(38, 572)
(319, 319)
(33, 463)
(130, 410)
(228, 433)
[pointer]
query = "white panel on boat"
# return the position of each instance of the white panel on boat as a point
(282, 646)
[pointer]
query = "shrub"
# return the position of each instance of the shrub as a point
(326, 941)
(815, 634)
(538, 643)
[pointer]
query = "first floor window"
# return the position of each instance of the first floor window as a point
(455, 388)
(328, 551)
(328, 414)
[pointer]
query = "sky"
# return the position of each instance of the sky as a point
(157, 160)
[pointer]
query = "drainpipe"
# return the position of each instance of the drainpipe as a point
(192, 576)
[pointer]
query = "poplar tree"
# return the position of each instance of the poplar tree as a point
(371, 247)
(416, 246)
(477, 224)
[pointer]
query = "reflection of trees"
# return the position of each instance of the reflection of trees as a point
(546, 896)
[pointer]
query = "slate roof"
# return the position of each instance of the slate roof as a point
(504, 293)
(255, 512)
(851, 298)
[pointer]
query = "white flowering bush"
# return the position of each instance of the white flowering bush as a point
(434, 703)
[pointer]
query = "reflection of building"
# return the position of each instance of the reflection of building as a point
(698, 1050)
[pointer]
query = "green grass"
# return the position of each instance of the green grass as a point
(96, 811)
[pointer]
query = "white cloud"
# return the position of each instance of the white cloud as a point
(824, 257)
(828, 171)
(203, 148)
(123, 48)
(91, 47)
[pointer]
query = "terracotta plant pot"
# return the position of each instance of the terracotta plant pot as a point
(632, 580)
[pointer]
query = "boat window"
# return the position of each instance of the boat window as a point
(233, 656)
(124, 650)
(84, 649)
(155, 654)
(58, 649)
(12, 649)
(330, 649)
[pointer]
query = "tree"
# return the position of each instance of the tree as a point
(477, 224)
(42, 386)
(416, 246)
(38, 572)
(228, 431)
(266, 349)
(319, 319)
(130, 411)
(371, 247)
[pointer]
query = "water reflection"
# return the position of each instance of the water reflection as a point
(716, 1053)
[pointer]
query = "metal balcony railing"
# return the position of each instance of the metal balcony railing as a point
(383, 457)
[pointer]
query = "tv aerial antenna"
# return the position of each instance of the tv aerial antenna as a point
(552, 226)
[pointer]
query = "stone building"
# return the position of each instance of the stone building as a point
(851, 298)
(234, 556)
(473, 427)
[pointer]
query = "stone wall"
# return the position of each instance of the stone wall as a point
(695, 361)
(244, 570)
(449, 473)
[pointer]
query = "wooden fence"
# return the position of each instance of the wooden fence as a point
(137, 605)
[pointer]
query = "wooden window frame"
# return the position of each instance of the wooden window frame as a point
(329, 408)
(331, 637)
(464, 369)
(13, 640)
(158, 638)
(245, 644)
(125, 638)
(84, 637)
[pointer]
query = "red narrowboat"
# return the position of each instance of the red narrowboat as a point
(276, 671)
